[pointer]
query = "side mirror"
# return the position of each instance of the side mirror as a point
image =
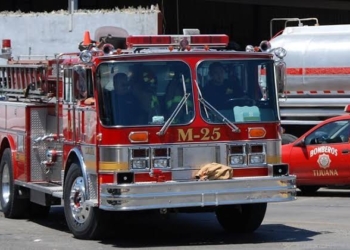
(301, 143)
(83, 83)
(280, 70)
(80, 89)
(68, 79)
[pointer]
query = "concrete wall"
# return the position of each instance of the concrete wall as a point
(56, 32)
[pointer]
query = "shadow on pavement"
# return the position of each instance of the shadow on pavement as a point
(154, 230)
(196, 229)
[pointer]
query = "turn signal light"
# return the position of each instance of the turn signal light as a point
(256, 132)
(138, 137)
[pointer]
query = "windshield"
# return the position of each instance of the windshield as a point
(241, 90)
(145, 93)
(333, 132)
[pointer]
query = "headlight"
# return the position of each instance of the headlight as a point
(139, 164)
(85, 56)
(237, 160)
(257, 159)
(160, 163)
(280, 52)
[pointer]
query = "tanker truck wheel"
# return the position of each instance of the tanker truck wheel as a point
(288, 138)
(12, 204)
(244, 218)
(83, 220)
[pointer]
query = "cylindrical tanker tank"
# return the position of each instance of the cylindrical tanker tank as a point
(318, 61)
(318, 75)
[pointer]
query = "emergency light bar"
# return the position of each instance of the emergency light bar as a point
(177, 40)
(6, 43)
(6, 49)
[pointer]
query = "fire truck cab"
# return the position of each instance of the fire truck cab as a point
(135, 122)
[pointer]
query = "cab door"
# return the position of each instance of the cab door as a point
(86, 110)
(78, 115)
(323, 156)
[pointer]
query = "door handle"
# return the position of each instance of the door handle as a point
(345, 151)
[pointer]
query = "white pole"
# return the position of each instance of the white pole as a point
(72, 5)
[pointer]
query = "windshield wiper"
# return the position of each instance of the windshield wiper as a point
(216, 112)
(177, 109)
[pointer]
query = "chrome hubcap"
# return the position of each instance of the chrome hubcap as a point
(5, 184)
(80, 210)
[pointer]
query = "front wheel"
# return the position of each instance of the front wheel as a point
(83, 220)
(244, 218)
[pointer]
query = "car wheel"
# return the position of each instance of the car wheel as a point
(13, 205)
(288, 138)
(84, 221)
(244, 218)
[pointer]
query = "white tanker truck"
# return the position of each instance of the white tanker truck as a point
(318, 73)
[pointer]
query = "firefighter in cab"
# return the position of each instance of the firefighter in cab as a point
(143, 83)
(176, 89)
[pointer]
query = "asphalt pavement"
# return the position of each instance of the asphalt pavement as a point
(311, 222)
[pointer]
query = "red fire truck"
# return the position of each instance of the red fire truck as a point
(131, 123)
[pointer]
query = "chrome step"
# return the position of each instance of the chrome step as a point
(45, 187)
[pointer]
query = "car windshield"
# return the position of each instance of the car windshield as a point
(241, 90)
(333, 132)
(144, 93)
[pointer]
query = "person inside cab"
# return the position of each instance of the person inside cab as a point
(126, 106)
(144, 87)
(219, 90)
(81, 85)
(175, 92)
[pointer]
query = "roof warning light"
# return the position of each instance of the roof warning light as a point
(181, 41)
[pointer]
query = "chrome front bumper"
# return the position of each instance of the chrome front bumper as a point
(159, 195)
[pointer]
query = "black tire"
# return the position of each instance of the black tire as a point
(241, 218)
(288, 138)
(13, 205)
(309, 190)
(84, 222)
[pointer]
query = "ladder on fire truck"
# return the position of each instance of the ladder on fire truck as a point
(20, 79)
(23, 78)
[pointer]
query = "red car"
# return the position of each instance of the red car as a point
(321, 157)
